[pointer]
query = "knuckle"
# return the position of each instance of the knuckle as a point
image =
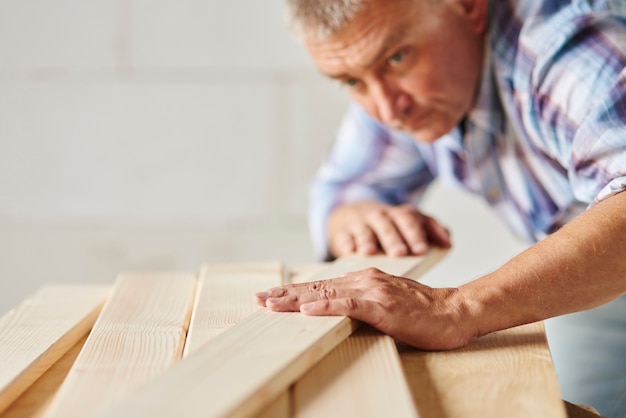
(373, 277)
(407, 209)
(316, 286)
(376, 215)
(327, 294)
(278, 292)
(372, 272)
(351, 304)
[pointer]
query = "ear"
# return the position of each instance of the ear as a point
(475, 11)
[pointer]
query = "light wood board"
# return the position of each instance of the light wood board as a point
(363, 376)
(38, 332)
(35, 401)
(501, 374)
(252, 363)
(504, 374)
(139, 334)
(225, 296)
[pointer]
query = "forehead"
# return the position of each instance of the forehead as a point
(380, 25)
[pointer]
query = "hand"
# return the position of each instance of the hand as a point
(370, 227)
(418, 315)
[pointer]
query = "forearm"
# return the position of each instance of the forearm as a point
(579, 267)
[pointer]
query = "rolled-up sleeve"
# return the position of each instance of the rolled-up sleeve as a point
(598, 168)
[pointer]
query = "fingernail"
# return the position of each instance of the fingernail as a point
(305, 307)
(419, 248)
(274, 300)
(263, 295)
(398, 250)
(367, 249)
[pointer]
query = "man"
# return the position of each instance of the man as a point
(522, 102)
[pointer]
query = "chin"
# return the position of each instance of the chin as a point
(426, 135)
(423, 139)
(429, 134)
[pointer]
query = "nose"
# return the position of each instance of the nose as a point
(391, 103)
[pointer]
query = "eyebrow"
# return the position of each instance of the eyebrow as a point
(387, 44)
(390, 41)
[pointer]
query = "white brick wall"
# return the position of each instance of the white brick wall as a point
(158, 135)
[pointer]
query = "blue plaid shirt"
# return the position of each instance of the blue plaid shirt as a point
(545, 140)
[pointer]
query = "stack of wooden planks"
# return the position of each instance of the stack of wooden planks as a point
(196, 345)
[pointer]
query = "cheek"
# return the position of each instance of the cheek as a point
(425, 88)
(441, 88)
(439, 77)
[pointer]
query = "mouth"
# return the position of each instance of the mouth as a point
(411, 123)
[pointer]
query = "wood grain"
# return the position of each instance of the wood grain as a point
(139, 334)
(225, 296)
(39, 331)
(363, 376)
(35, 401)
(252, 363)
(504, 374)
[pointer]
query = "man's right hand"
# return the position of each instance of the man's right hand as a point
(372, 227)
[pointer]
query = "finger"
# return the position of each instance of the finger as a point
(387, 233)
(261, 297)
(319, 286)
(292, 302)
(365, 240)
(290, 299)
(283, 304)
(410, 224)
(437, 234)
(361, 309)
(342, 243)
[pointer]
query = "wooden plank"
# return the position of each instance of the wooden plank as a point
(278, 408)
(255, 361)
(225, 296)
(39, 331)
(139, 333)
(504, 374)
(301, 273)
(362, 377)
(35, 401)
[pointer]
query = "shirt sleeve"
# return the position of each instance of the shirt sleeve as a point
(580, 98)
(366, 162)
(598, 168)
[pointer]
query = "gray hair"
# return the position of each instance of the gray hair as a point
(320, 18)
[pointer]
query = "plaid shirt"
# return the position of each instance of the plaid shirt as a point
(545, 140)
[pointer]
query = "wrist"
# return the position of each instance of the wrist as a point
(451, 321)
(490, 307)
(463, 313)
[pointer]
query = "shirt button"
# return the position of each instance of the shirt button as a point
(493, 193)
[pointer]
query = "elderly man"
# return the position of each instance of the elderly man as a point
(520, 101)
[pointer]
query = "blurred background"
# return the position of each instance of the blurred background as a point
(162, 134)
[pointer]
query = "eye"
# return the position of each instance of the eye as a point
(350, 83)
(396, 58)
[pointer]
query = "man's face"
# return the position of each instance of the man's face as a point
(411, 64)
